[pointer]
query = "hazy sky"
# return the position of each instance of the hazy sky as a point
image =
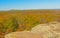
(29, 4)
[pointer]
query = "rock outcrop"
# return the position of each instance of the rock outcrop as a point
(25, 34)
(49, 30)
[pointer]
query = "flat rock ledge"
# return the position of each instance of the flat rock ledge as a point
(25, 34)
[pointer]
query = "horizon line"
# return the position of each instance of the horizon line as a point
(28, 9)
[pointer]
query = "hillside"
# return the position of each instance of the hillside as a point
(20, 20)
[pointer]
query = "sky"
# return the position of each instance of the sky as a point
(29, 4)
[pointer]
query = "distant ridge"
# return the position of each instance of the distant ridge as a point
(28, 9)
